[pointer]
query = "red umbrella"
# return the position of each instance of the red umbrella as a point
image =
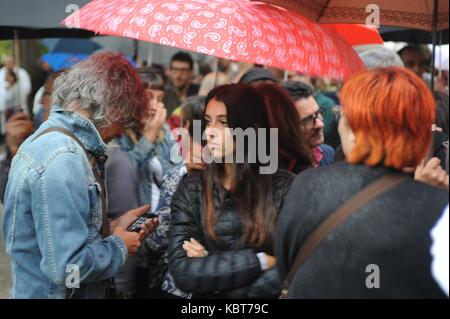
(233, 29)
(356, 34)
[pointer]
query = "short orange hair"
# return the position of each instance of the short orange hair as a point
(390, 111)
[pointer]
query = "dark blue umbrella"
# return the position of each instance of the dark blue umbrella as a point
(66, 45)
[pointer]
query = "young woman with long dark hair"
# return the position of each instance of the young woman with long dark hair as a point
(223, 218)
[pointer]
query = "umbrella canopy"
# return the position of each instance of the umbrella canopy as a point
(416, 14)
(38, 19)
(60, 60)
(356, 34)
(64, 60)
(412, 36)
(83, 46)
(234, 29)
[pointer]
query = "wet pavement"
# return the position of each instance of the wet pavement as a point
(5, 276)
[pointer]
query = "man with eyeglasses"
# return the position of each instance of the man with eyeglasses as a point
(181, 75)
(311, 120)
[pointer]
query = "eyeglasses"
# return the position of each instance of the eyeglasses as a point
(310, 122)
(181, 70)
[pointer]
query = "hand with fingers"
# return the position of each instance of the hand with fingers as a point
(270, 261)
(133, 240)
(194, 160)
(155, 122)
(17, 129)
(194, 249)
(431, 173)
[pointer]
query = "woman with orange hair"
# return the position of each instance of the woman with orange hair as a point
(382, 249)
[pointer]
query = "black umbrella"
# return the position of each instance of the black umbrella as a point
(26, 19)
(412, 36)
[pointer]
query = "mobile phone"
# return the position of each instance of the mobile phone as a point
(11, 111)
(136, 226)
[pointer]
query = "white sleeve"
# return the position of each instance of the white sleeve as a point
(25, 82)
(2, 89)
(440, 251)
(37, 106)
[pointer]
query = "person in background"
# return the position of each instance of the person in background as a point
(442, 109)
(24, 88)
(391, 232)
(12, 94)
(328, 102)
(257, 76)
(279, 74)
(416, 58)
(135, 168)
(45, 101)
(294, 153)
(43, 70)
(18, 128)
(311, 122)
(147, 145)
(181, 74)
(380, 57)
(214, 79)
(223, 218)
(328, 105)
(159, 282)
(204, 68)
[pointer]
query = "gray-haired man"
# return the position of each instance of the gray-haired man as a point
(60, 242)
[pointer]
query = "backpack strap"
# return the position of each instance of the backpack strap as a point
(98, 175)
(339, 217)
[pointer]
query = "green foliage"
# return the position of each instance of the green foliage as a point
(6, 48)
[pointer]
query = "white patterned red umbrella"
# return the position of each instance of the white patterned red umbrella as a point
(232, 29)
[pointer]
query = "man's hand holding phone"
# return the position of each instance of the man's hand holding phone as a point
(133, 239)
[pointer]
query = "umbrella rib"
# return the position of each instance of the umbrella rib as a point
(323, 10)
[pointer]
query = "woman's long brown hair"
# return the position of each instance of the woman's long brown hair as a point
(283, 115)
(251, 191)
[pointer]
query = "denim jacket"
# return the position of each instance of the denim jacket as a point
(53, 215)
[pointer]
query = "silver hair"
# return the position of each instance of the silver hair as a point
(380, 58)
(106, 86)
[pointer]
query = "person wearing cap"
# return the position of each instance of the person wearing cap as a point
(257, 76)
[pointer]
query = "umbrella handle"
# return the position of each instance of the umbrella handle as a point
(433, 58)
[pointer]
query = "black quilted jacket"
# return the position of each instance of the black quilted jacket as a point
(230, 270)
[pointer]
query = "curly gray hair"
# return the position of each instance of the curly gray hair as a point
(106, 86)
(380, 57)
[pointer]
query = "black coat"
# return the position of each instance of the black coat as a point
(392, 232)
(230, 270)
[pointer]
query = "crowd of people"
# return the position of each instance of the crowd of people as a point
(100, 148)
